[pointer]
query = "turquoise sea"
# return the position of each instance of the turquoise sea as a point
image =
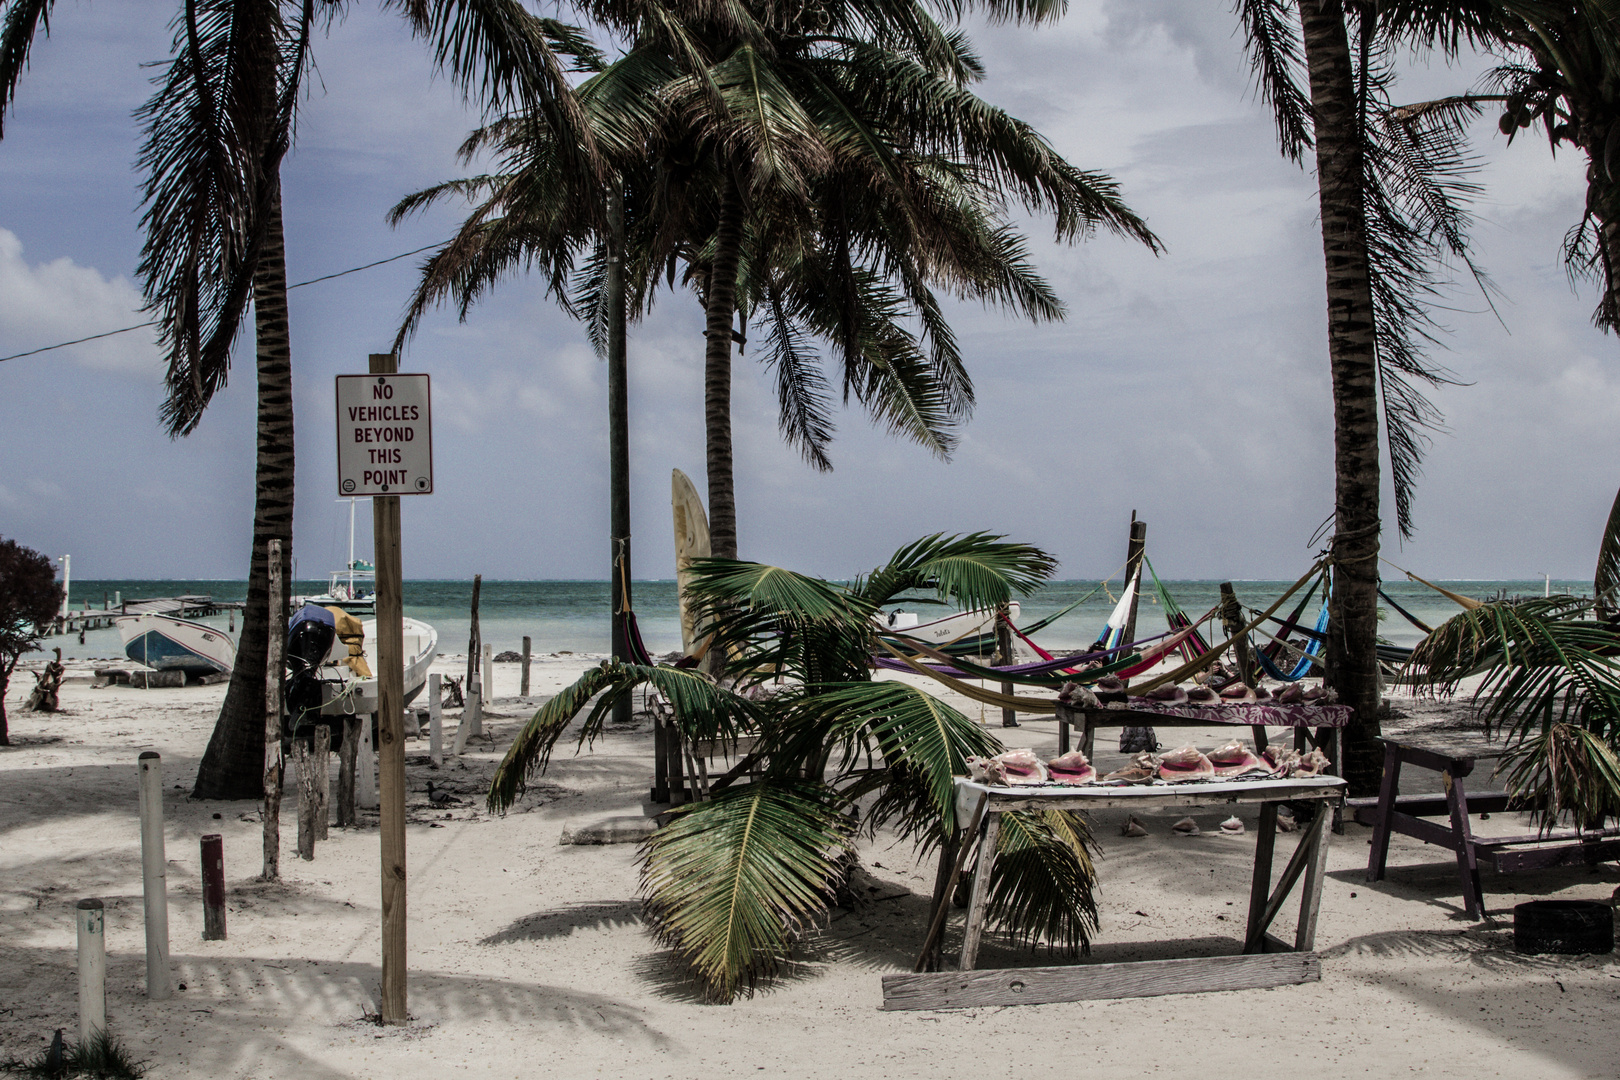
(573, 615)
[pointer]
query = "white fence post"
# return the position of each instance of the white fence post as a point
(154, 878)
(435, 722)
(92, 970)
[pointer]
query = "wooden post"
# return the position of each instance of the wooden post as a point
(1133, 565)
(305, 768)
(1004, 657)
(213, 882)
(92, 970)
(154, 878)
(323, 779)
(436, 707)
(391, 744)
(472, 702)
(1231, 622)
(365, 780)
(348, 761)
(274, 765)
(487, 687)
(523, 685)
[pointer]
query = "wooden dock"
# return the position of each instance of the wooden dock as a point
(77, 621)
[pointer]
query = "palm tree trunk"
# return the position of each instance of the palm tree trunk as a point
(1352, 639)
(720, 307)
(233, 765)
(618, 443)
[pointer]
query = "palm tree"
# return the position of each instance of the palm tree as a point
(825, 180)
(1390, 189)
(732, 880)
(216, 132)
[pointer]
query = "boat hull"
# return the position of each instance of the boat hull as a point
(358, 696)
(169, 644)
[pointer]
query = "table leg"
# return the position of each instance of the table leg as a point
(1260, 740)
(1086, 736)
(980, 896)
(1389, 789)
(1310, 900)
(1260, 887)
(1063, 736)
(1467, 862)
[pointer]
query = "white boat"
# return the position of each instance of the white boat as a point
(359, 695)
(169, 644)
(354, 588)
(949, 629)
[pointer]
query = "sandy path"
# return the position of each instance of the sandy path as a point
(529, 957)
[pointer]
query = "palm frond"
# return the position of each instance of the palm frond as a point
(1276, 58)
(732, 882)
(1606, 582)
(1566, 769)
(976, 570)
(22, 20)
(1042, 886)
(702, 709)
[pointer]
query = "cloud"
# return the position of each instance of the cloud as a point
(60, 301)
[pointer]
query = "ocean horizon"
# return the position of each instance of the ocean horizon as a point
(571, 615)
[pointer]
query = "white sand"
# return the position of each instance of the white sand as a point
(529, 959)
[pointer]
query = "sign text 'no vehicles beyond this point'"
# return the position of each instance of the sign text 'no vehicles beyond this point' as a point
(385, 435)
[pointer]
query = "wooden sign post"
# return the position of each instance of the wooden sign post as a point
(385, 449)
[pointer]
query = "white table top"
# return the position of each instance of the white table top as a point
(1088, 796)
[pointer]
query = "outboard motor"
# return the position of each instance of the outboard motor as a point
(310, 634)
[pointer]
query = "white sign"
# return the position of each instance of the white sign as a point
(385, 435)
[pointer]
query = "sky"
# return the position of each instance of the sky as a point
(1191, 387)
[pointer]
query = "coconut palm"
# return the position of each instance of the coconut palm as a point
(823, 173)
(733, 881)
(216, 132)
(1391, 189)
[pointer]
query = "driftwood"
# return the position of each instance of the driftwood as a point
(348, 751)
(323, 778)
(307, 798)
(47, 686)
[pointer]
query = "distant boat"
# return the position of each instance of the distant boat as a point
(959, 628)
(354, 588)
(169, 644)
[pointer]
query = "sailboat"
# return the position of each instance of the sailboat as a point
(354, 588)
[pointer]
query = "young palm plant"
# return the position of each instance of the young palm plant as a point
(732, 882)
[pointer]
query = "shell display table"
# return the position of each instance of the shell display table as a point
(1318, 723)
(1266, 960)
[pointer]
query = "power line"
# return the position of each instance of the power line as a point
(153, 322)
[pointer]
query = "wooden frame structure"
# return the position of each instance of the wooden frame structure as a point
(1077, 982)
(1324, 737)
(1393, 812)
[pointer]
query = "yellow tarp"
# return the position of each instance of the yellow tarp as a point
(352, 633)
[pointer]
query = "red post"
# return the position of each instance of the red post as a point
(213, 875)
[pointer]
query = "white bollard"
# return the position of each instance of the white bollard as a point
(435, 722)
(92, 970)
(154, 878)
(365, 769)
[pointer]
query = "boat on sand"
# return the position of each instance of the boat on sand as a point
(166, 643)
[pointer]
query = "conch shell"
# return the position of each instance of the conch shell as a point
(1071, 768)
(1012, 769)
(1236, 759)
(1142, 769)
(1185, 764)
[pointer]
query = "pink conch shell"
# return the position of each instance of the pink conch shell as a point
(1185, 764)
(1312, 763)
(1292, 694)
(1281, 759)
(1203, 695)
(1071, 768)
(1171, 693)
(1142, 769)
(1235, 759)
(1078, 697)
(1262, 694)
(1237, 694)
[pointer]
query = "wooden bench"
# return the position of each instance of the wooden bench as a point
(1391, 812)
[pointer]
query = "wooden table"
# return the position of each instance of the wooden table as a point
(1255, 968)
(1393, 812)
(1318, 723)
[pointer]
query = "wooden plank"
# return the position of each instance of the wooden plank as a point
(1310, 901)
(1437, 760)
(1462, 843)
(1565, 854)
(1092, 982)
(979, 900)
(1141, 797)
(1388, 789)
(1427, 831)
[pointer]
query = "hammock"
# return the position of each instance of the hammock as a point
(1413, 619)
(1306, 661)
(1177, 617)
(956, 667)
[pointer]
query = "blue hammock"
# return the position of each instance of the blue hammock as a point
(1312, 650)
